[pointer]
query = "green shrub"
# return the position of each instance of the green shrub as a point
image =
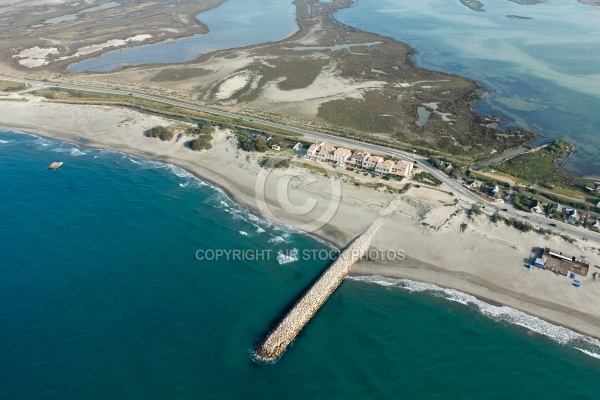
(200, 143)
(249, 142)
(161, 132)
(280, 163)
(426, 177)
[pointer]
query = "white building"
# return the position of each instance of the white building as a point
(402, 168)
(371, 162)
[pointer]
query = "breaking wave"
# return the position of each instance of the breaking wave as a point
(559, 334)
(276, 239)
(286, 258)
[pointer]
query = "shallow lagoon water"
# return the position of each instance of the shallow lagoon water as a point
(235, 23)
(543, 73)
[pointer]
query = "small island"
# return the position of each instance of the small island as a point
(473, 4)
(517, 17)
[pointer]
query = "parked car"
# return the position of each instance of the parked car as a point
(505, 209)
(551, 224)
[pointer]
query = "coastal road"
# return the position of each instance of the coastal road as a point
(451, 185)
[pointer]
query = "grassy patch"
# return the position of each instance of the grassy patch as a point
(179, 74)
(539, 168)
(488, 180)
(426, 177)
(298, 74)
(318, 169)
(7, 86)
(275, 163)
(373, 113)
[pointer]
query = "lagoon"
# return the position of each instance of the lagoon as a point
(543, 73)
(233, 24)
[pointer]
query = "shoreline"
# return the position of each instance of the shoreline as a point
(453, 271)
(353, 275)
(437, 287)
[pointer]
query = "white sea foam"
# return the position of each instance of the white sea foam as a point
(243, 233)
(75, 152)
(557, 333)
(276, 239)
(4, 141)
(40, 140)
(180, 172)
(589, 353)
(144, 163)
(286, 258)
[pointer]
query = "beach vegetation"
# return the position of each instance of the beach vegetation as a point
(427, 178)
(476, 209)
(251, 142)
(275, 163)
(567, 238)
(163, 133)
(496, 217)
(518, 224)
(201, 128)
(202, 142)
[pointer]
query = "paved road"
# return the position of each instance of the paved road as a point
(450, 184)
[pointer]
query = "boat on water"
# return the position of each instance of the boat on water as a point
(55, 165)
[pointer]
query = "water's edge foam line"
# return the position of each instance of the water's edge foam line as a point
(558, 333)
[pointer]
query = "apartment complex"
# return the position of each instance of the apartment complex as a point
(323, 151)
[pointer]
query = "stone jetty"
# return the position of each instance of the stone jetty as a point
(288, 328)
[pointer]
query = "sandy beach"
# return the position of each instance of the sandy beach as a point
(441, 244)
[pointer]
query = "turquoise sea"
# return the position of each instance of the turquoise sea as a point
(101, 297)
